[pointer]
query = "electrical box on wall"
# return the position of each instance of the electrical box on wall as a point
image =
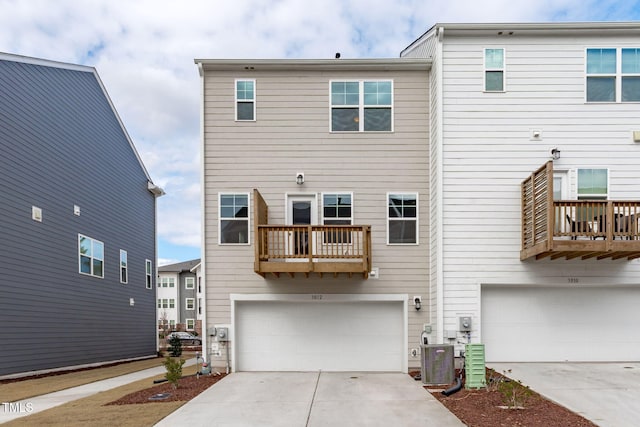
(222, 334)
(465, 324)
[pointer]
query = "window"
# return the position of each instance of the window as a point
(165, 303)
(91, 256)
(189, 282)
(361, 106)
(402, 218)
(234, 219)
(190, 303)
(124, 276)
(159, 303)
(245, 100)
(608, 82)
(199, 305)
(172, 324)
(191, 324)
(494, 70)
(630, 75)
(593, 184)
(167, 282)
(172, 303)
(337, 210)
(149, 274)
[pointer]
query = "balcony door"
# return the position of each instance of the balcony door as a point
(302, 209)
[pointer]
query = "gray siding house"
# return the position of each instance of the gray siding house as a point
(178, 282)
(78, 223)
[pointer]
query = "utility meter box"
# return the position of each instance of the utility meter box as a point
(465, 324)
(222, 334)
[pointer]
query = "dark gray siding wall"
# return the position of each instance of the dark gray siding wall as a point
(183, 295)
(61, 145)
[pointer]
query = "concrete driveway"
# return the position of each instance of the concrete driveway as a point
(300, 399)
(606, 393)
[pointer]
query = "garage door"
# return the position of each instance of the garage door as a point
(540, 324)
(308, 336)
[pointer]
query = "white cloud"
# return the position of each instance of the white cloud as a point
(144, 51)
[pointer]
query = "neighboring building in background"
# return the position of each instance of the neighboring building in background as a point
(547, 267)
(316, 175)
(78, 215)
(177, 297)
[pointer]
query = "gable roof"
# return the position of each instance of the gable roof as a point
(179, 267)
(89, 70)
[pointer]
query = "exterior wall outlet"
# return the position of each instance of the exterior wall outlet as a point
(374, 273)
(427, 328)
(415, 352)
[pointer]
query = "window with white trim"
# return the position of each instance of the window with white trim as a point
(148, 273)
(245, 100)
(613, 75)
(191, 324)
(124, 274)
(172, 323)
(494, 70)
(362, 106)
(167, 282)
(233, 219)
(189, 282)
(190, 303)
(164, 302)
(172, 303)
(90, 256)
(402, 218)
(593, 184)
(337, 210)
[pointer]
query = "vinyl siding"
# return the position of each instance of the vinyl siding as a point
(488, 152)
(62, 145)
(291, 134)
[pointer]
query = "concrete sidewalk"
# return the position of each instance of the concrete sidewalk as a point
(298, 399)
(37, 404)
(607, 393)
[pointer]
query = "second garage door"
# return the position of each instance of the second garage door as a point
(544, 324)
(308, 336)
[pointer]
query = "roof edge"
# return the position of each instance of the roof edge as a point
(324, 64)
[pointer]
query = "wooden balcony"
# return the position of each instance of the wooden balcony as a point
(306, 249)
(571, 229)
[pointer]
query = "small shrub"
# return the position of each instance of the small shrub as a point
(174, 370)
(514, 394)
(175, 346)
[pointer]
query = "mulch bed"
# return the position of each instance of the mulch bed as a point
(188, 388)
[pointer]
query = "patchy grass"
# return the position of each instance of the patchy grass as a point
(93, 410)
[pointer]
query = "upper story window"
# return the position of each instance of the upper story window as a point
(613, 75)
(362, 106)
(402, 218)
(494, 70)
(124, 274)
(593, 184)
(91, 256)
(190, 303)
(233, 218)
(167, 282)
(148, 273)
(189, 282)
(245, 100)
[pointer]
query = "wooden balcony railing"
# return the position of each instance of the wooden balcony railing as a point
(575, 228)
(309, 249)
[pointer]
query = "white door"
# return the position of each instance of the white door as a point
(301, 210)
(311, 336)
(544, 324)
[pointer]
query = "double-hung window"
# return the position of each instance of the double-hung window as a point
(593, 184)
(337, 209)
(362, 106)
(402, 218)
(191, 324)
(494, 70)
(189, 282)
(90, 256)
(124, 274)
(613, 75)
(233, 218)
(245, 100)
(190, 303)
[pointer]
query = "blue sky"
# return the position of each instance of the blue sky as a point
(144, 51)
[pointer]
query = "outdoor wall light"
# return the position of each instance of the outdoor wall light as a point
(555, 153)
(300, 178)
(417, 301)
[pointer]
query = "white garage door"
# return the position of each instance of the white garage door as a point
(309, 336)
(542, 324)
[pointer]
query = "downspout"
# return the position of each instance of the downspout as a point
(439, 196)
(203, 258)
(157, 192)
